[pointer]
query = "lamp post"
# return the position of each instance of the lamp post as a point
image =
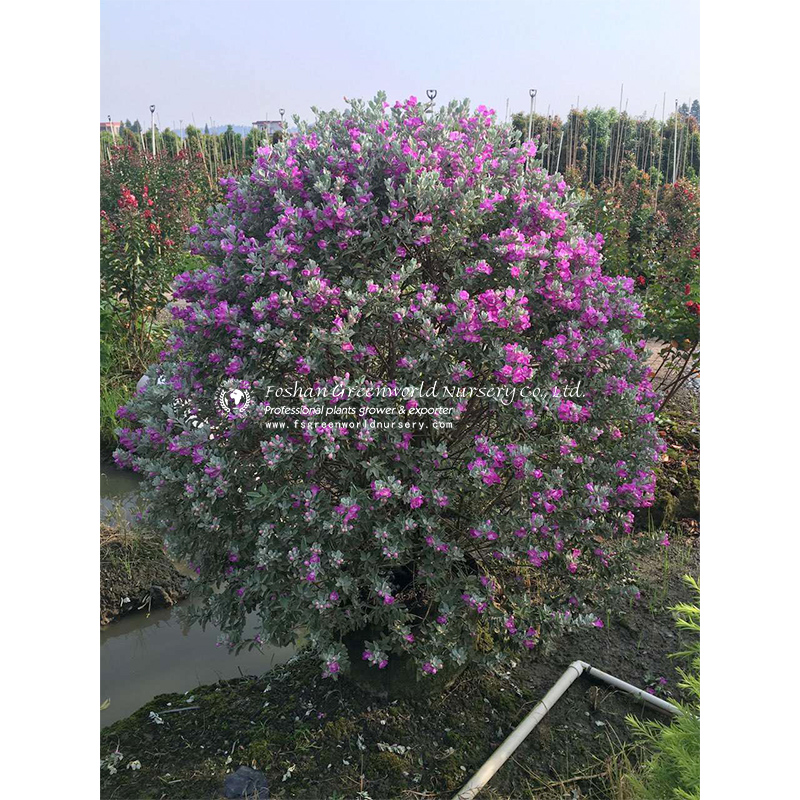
(153, 128)
(111, 125)
(281, 111)
(532, 93)
(431, 97)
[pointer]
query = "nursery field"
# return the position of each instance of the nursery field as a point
(435, 579)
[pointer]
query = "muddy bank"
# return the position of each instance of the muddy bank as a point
(135, 573)
(331, 740)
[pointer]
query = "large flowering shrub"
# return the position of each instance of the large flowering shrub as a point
(420, 266)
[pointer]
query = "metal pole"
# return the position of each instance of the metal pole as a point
(111, 125)
(532, 93)
(153, 129)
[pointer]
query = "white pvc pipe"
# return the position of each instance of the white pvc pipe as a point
(645, 697)
(518, 735)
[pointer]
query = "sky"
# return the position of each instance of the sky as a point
(236, 61)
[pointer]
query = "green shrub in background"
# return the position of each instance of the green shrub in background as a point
(674, 770)
(654, 238)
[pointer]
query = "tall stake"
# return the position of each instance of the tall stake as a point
(549, 140)
(616, 147)
(675, 145)
(560, 141)
(660, 147)
(622, 141)
(546, 140)
(569, 140)
(575, 140)
(532, 93)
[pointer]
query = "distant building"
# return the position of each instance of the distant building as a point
(269, 125)
(111, 127)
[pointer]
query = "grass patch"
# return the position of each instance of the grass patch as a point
(123, 360)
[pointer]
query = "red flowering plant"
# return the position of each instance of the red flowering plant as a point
(403, 401)
(655, 240)
(146, 207)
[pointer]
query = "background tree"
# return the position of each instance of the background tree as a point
(171, 141)
(130, 139)
(231, 147)
(106, 144)
(194, 139)
(255, 138)
(148, 140)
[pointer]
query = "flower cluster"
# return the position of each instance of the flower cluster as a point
(382, 247)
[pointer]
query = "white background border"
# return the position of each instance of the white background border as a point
(749, 416)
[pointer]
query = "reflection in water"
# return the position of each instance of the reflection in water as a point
(117, 486)
(143, 656)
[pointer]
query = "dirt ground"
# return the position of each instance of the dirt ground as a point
(332, 741)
